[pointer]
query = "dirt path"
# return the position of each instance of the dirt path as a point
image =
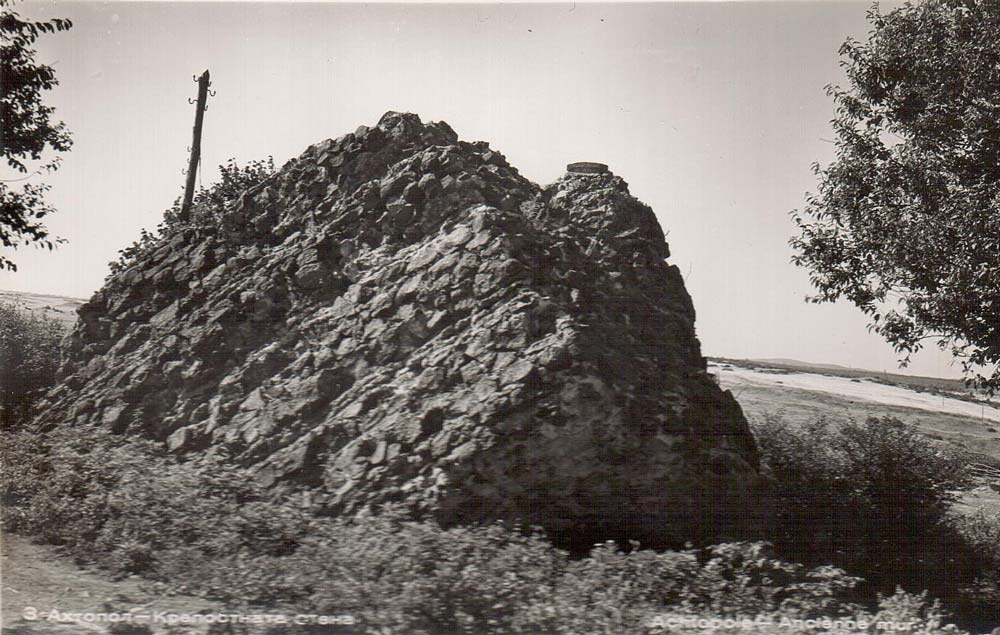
(36, 579)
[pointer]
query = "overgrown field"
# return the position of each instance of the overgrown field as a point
(120, 504)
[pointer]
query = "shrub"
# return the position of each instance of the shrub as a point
(127, 506)
(869, 495)
(101, 495)
(615, 592)
(29, 359)
(207, 207)
(233, 181)
(979, 598)
(874, 498)
(612, 591)
(123, 504)
(415, 577)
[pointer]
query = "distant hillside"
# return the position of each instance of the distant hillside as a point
(800, 364)
(951, 386)
(54, 306)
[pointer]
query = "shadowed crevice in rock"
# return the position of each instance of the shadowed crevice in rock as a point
(397, 316)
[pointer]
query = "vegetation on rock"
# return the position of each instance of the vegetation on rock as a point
(207, 207)
(399, 316)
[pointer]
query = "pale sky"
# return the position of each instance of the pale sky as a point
(712, 112)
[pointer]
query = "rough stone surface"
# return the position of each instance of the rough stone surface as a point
(399, 316)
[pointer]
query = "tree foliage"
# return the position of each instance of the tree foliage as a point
(28, 130)
(906, 220)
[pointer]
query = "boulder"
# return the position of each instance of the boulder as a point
(413, 322)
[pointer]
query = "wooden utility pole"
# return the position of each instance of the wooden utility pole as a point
(199, 117)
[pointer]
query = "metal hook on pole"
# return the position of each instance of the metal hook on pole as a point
(190, 101)
(203, 83)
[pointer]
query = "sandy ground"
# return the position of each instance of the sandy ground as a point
(734, 377)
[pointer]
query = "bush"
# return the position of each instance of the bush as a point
(29, 359)
(123, 504)
(980, 597)
(415, 577)
(127, 506)
(616, 592)
(875, 499)
(99, 494)
(206, 209)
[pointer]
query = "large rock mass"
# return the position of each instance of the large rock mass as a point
(397, 316)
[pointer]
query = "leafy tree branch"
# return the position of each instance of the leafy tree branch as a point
(905, 223)
(28, 130)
